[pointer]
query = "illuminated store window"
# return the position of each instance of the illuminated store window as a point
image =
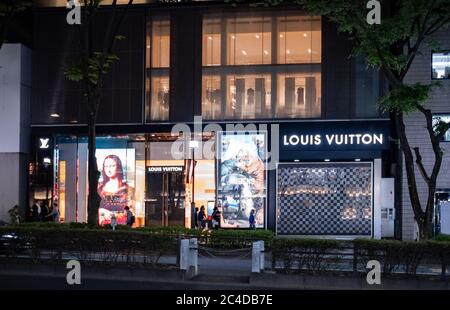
(211, 42)
(299, 39)
(157, 69)
(298, 96)
(249, 41)
(121, 163)
(159, 109)
(261, 66)
(248, 96)
(441, 66)
(211, 97)
(160, 45)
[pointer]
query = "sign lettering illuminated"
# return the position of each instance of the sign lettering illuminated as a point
(333, 139)
(165, 169)
(44, 143)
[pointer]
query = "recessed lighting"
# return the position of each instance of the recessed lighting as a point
(233, 37)
(244, 52)
(73, 121)
(357, 159)
(148, 46)
(266, 52)
(257, 36)
(54, 115)
(209, 38)
(296, 160)
(153, 135)
(309, 50)
(288, 52)
(305, 34)
(281, 36)
(327, 160)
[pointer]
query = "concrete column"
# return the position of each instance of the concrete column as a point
(15, 94)
(184, 254)
(377, 199)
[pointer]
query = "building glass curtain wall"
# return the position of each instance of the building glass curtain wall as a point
(121, 163)
(138, 171)
(257, 67)
(157, 68)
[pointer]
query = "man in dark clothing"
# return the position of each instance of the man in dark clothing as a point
(196, 217)
(202, 217)
(36, 211)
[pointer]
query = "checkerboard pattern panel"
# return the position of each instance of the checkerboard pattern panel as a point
(325, 199)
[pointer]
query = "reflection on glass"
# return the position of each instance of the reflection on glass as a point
(249, 40)
(441, 65)
(442, 119)
(157, 64)
(242, 179)
(159, 109)
(211, 42)
(327, 201)
(299, 95)
(160, 45)
(211, 97)
(248, 96)
(299, 39)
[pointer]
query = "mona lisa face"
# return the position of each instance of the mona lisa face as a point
(110, 168)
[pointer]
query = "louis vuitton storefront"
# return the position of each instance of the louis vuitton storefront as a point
(329, 178)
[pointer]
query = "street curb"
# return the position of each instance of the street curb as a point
(347, 282)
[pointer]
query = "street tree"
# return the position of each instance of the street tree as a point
(94, 63)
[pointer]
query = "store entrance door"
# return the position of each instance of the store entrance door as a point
(165, 201)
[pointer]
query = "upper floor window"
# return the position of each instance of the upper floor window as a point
(441, 66)
(266, 66)
(157, 68)
(299, 39)
(249, 40)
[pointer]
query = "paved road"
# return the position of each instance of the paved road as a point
(14, 282)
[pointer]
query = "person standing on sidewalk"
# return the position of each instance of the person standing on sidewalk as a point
(251, 220)
(130, 217)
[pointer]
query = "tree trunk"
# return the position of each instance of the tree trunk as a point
(93, 197)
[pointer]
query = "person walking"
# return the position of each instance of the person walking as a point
(215, 218)
(251, 220)
(196, 218)
(54, 215)
(36, 211)
(202, 217)
(130, 217)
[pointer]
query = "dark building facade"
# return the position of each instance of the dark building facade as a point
(254, 110)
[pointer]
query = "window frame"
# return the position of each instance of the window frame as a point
(446, 115)
(433, 52)
(274, 68)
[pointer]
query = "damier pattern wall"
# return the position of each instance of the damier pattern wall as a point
(325, 199)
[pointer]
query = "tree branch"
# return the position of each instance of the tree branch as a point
(419, 163)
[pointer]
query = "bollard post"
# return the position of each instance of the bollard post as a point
(261, 255)
(193, 254)
(184, 254)
(256, 256)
